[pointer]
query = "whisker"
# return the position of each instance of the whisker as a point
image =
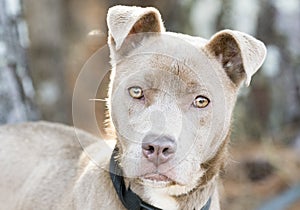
(98, 99)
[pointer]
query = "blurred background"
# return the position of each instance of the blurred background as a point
(44, 44)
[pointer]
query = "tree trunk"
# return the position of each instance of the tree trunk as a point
(16, 90)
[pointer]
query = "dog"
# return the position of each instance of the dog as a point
(171, 99)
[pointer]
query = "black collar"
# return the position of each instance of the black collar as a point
(129, 199)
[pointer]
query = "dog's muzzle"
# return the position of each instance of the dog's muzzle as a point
(129, 199)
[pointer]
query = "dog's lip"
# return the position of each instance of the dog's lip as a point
(157, 177)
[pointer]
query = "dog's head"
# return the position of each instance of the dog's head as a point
(172, 96)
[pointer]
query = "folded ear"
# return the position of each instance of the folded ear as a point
(125, 20)
(240, 54)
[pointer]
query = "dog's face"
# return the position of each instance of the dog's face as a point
(172, 96)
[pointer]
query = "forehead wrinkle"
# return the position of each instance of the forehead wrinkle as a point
(178, 69)
(167, 84)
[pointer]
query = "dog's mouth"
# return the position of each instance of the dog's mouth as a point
(156, 180)
(157, 177)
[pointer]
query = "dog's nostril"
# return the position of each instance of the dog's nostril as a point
(165, 151)
(151, 149)
(148, 150)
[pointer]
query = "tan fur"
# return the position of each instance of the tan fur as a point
(43, 165)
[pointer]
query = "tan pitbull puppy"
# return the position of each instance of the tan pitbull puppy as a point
(171, 99)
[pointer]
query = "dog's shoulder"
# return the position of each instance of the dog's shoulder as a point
(42, 159)
(45, 137)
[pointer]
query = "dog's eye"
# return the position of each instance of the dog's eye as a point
(136, 92)
(201, 102)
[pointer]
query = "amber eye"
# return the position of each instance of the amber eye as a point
(201, 102)
(136, 92)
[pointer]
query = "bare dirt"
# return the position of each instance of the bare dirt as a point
(257, 172)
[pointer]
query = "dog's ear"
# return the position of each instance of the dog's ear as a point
(123, 21)
(240, 54)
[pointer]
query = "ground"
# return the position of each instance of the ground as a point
(257, 172)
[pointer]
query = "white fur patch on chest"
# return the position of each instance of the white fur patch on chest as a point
(160, 198)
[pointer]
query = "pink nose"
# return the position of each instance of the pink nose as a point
(159, 151)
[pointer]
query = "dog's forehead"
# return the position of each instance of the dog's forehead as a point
(163, 58)
(173, 73)
(163, 71)
(176, 45)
